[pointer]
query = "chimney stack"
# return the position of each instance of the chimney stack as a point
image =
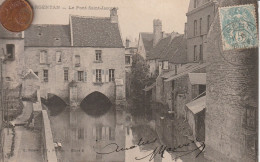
(157, 31)
(113, 15)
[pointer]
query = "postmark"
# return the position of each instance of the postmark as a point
(238, 27)
(16, 15)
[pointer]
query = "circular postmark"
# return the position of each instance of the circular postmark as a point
(16, 15)
(239, 37)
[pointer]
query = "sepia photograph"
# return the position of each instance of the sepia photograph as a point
(129, 80)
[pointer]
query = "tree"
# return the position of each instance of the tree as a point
(139, 79)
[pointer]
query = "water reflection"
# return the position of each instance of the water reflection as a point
(82, 135)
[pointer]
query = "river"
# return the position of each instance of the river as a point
(116, 136)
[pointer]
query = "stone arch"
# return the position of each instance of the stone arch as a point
(93, 93)
(96, 104)
(55, 104)
(52, 96)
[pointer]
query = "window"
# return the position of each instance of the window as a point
(251, 118)
(43, 57)
(77, 61)
(111, 133)
(66, 74)
(165, 65)
(195, 27)
(208, 23)
(173, 84)
(127, 60)
(200, 25)
(81, 133)
(98, 55)
(111, 75)
(194, 52)
(195, 3)
(98, 75)
(58, 57)
(45, 75)
(10, 51)
(201, 52)
(80, 75)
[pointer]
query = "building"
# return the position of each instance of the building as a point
(200, 16)
(88, 52)
(168, 54)
(232, 98)
(148, 40)
(130, 50)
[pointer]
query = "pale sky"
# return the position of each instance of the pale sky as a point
(134, 15)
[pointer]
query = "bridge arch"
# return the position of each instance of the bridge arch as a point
(96, 104)
(55, 104)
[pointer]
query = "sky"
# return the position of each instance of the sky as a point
(135, 16)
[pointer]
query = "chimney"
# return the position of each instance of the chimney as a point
(157, 31)
(174, 34)
(185, 30)
(127, 43)
(113, 15)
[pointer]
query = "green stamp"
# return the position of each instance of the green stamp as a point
(238, 27)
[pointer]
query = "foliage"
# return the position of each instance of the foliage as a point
(139, 79)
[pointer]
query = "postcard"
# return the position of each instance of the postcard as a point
(129, 80)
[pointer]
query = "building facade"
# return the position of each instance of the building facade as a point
(200, 16)
(88, 52)
(232, 98)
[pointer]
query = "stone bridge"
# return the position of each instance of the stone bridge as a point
(74, 93)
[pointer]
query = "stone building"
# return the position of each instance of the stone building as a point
(232, 98)
(12, 53)
(200, 15)
(88, 52)
(168, 54)
(148, 40)
(130, 50)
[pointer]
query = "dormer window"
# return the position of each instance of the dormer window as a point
(98, 55)
(10, 51)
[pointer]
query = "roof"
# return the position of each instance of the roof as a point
(8, 34)
(197, 105)
(95, 32)
(47, 35)
(148, 88)
(197, 78)
(181, 69)
(30, 75)
(174, 50)
(160, 49)
(147, 39)
(191, 69)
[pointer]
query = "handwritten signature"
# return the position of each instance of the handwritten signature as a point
(157, 150)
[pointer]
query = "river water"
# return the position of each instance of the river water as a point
(104, 137)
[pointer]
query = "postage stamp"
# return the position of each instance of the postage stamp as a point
(238, 27)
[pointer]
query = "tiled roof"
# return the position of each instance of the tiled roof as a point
(160, 49)
(148, 41)
(177, 51)
(47, 35)
(7, 34)
(174, 50)
(95, 32)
